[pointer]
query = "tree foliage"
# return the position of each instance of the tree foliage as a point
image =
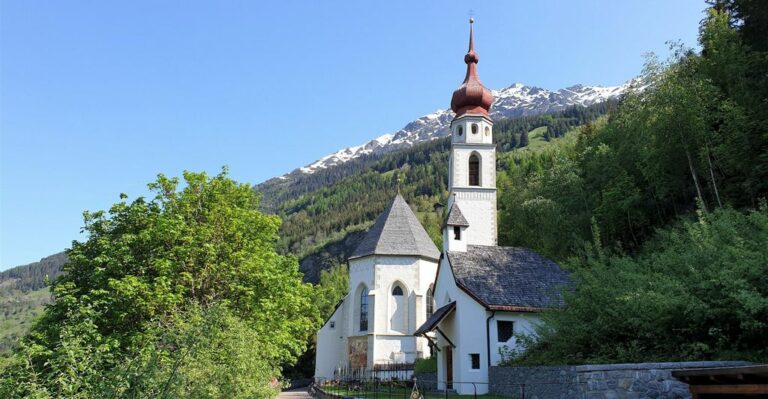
(653, 282)
(694, 292)
(186, 286)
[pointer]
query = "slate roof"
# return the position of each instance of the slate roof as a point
(509, 278)
(397, 232)
(436, 317)
(455, 217)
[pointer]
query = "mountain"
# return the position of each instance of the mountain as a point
(513, 101)
(23, 294)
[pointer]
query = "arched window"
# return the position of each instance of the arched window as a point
(397, 291)
(474, 170)
(460, 131)
(364, 309)
(487, 131)
(430, 301)
(474, 128)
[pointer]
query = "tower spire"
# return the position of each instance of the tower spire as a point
(471, 97)
(471, 35)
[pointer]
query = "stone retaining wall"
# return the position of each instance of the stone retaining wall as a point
(599, 381)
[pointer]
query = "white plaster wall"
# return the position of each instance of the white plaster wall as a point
(395, 349)
(451, 244)
(459, 166)
(479, 208)
(482, 136)
(471, 339)
(445, 292)
(466, 329)
(524, 324)
(380, 274)
(331, 344)
(361, 271)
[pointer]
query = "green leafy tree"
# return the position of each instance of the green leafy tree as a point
(332, 288)
(146, 263)
(696, 291)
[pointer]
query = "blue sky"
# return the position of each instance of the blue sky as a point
(97, 98)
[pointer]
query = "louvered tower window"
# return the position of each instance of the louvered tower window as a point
(474, 170)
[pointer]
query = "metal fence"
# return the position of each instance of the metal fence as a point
(414, 388)
(397, 380)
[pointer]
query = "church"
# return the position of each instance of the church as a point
(407, 300)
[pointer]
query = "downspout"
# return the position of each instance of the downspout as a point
(488, 335)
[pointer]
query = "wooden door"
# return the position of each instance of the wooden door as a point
(448, 367)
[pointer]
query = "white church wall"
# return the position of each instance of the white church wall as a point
(361, 272)
(524, 324)
(451, 244)
(331, 344)
(394, 349)
(392, 270)
(479, 208)
(427, 274)
(460, 165)
(445, 285)
(471, 339)
(390, 324)
(466, 134)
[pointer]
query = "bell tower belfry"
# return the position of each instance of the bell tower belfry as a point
(472, 166)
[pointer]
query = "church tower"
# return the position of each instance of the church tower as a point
(472, 167)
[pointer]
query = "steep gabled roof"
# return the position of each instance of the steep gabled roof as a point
(397, 232)
(455, 217)
(509, 278)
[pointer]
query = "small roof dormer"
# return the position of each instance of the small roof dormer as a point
(455, 217)
(454, 230)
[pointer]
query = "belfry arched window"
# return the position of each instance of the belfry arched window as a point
(474, 170)
(364, 309)
(397, 291)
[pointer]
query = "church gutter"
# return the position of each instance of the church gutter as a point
(488, 334)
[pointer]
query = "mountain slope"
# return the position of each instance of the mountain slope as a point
(513, 101)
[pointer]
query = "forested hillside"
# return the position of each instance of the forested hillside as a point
(23, 293)
(659, 210)
(34, 275)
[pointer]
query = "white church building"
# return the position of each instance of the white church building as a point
(405, 297)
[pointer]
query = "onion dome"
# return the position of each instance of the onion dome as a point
(471, 97)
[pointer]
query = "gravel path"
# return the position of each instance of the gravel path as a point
(298, 393)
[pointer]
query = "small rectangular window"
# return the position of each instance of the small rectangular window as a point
(456, 232)
(475, 357)
(505, 330)
(333, 324)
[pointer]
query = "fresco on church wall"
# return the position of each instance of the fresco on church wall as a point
(358, 352)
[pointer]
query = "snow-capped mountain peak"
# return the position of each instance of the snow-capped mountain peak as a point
(514, 100)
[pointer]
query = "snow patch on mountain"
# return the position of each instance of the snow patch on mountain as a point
(515, 100)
